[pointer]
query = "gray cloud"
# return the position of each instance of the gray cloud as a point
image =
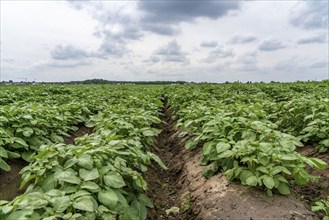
(161, 29)
(178, 11)
(247, 62)
(116, 27)
(320, 38)
(270, 45)
(320, 64)
(219, 53)
(310, 15)
(110, 48)
(242, 39)
(128, 32)
(210, 44)
(171, 52)
(67, 64)
(78, 4)
(158, 14)
(68, 52)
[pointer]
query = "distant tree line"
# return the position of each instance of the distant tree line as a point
(103, 81)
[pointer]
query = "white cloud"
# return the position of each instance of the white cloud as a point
(310, 15)
(140, 40)
(270, 45)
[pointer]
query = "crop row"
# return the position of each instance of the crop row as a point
(98, 178)
(238, 138)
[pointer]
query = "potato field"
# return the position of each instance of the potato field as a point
(192, 151)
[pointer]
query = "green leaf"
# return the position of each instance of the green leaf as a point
(211, 169)
(141, 209)
(265, 147)
(3, 119)
(252, 181)
(80, 193)
(226, 154)
(48, 183)
(60, 204)
(87, 175)
(114, 179)
(55, 193)
(221, 147)
(277, 169)
(20, 141)
(325, 142)
(67, 176)
(12, 154)
(262, 169)
(318, 207)
(91, 186)
(269, 193)
(140, 182)
(157, 159)
(108, 198)
(5, 209)
(85, 161)
(316, 163)
(207, 147)
(190, 144)
(148, 133)
(27, 132)
(56, 138)
(72, 179)
(29, 117)
(145, 200)
(122, 203)
(3, 152)
(27, 156)
(289, 157)
(245, 174)
(21, 215)
(287, 143)
(131, 214)
(268, 181)
(84, 203)
(4, 166)
(284, 188)
(69, 163)
(249, 135)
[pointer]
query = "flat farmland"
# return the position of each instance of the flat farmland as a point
(192, 151)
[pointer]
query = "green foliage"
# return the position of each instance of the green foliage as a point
(250, 132)
(100, 177)
(322, 206)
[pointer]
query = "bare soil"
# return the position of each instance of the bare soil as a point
(184, 186)
(80, 132)
(318, 189)
(10, 181)
(164, 186)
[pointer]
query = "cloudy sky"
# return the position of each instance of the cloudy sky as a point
(199, 40)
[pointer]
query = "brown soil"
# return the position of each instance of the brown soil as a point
(80, 132)
(183, 185)
(318, 189)
(10, 181)
(164, 185)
